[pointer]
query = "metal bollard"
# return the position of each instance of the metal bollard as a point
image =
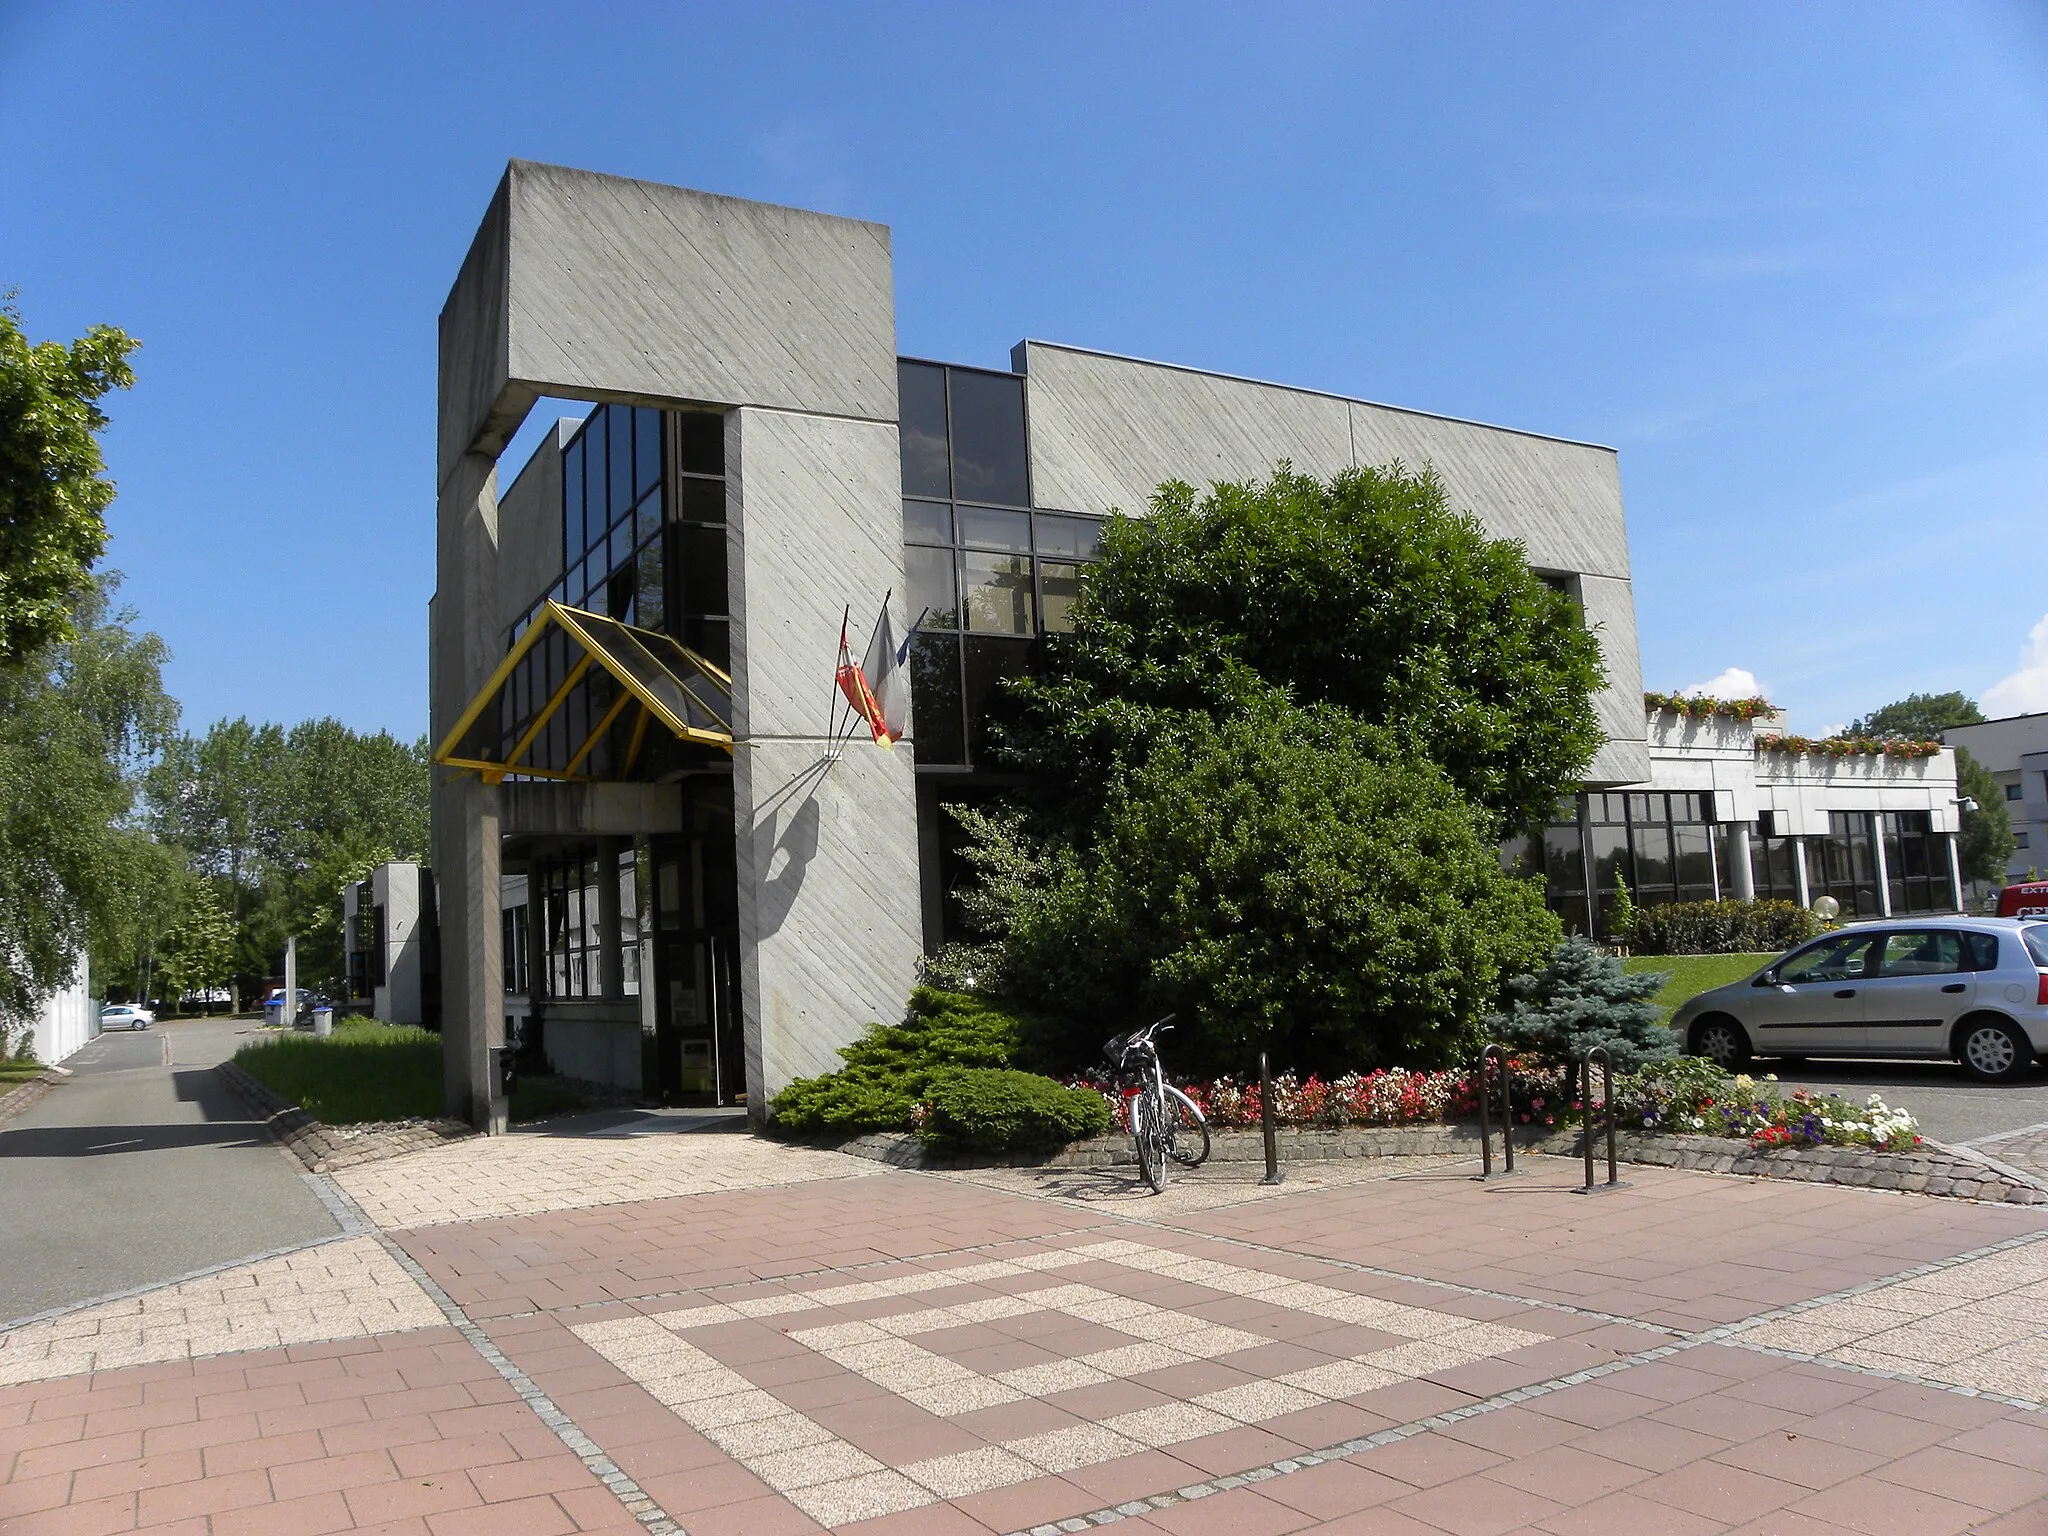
(1614, 1180)
(1266, 1122)
(1507, 1114)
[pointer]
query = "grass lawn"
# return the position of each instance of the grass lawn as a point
(1694, 974)
(14, 1073)
(367, 1071)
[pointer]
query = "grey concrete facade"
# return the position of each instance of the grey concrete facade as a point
(593, 288)
(1106, 430)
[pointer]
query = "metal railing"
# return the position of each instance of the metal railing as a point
(1499, 1054)
(1614, 1179)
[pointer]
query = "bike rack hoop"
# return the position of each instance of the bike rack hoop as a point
(1614, 1179)
(1499, 1054)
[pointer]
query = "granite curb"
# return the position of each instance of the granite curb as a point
(325, 1148)
(18, 1099)
(1935, 1169)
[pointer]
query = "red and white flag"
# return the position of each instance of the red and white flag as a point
(878, 687)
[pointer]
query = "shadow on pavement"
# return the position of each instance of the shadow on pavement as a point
(114, 1140)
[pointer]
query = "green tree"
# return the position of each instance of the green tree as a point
(1367, 592)
(79, 717)
(1920, 716)
(216, 797)
(1282, 877)
(1581, 999)
(283, 819)
(198, 948)
(1984, 842)
(53, 492)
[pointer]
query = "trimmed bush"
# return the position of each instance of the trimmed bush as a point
(1722, 927)
(889, 1068)
(998, 1110)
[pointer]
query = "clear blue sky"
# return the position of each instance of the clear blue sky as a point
(1791, 260)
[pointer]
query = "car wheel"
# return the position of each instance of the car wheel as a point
(1993, 1051)
(1722, 1042)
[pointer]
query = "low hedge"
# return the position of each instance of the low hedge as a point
(1721, 927)
(889, 1068)
(1002, 1110)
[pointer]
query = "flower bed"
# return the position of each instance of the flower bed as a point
(1685, 1096)
(1702, 706)
(1694, 1097)
(1848, 746)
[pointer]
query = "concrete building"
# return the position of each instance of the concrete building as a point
(632, 644)
(388, 942)
(1728, 813)
(2015, 750)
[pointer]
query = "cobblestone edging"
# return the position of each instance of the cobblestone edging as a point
(325, 1148)
(1953, 1172)
(18, 1099)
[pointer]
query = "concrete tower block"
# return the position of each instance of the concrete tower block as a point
(828, 874)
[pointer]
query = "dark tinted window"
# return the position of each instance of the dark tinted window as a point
(988, 438)
(988, 663)
(703, 561)
(620, 431)
(703, 442)
(646, 450)
(927, 522)
(1982, 951)
(1842, 958)
(702, 501)
(935, 699)
(986, 528)
(921, 400)
(1923, 952)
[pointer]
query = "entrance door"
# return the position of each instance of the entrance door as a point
(1815, 1006)
(699, 1037)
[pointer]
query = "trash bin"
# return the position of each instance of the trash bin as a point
(273, 1015)
(323, 1022)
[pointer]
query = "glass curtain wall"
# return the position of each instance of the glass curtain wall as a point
(1916, 863)
(643, 542)
(1844, 864)
(1772, 868)
(572, 920)
(1661, 843)
(987, 570)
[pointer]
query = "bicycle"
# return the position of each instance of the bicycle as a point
(1166, 1124)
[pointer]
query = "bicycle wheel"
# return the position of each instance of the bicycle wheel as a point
(1187, 1133)
(1146, 1132)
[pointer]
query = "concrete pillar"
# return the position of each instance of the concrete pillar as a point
(465, 645)
(611, 941)
(1741, 876)
(1884, 883)
(1799, 871)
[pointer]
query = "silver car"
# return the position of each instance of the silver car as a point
(1970, 989)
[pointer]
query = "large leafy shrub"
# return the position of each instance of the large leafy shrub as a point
(998, 1110)
(891, 1066)
(1368, 592)
(1283, 878)
(1722, 927)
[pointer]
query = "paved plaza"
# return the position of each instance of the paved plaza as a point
(700, 1331)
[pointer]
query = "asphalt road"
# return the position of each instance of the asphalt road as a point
(1950, 1106)
(138, 1170)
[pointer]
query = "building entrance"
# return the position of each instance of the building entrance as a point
(699, 1038)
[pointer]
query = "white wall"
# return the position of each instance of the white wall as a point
(69, 1019)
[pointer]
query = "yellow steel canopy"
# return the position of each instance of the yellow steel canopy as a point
(509, 727)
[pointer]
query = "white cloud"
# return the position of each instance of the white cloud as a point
(2026, 690)
(1735, 683)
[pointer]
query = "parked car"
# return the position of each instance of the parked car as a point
(1969, 989)
(125, 1016)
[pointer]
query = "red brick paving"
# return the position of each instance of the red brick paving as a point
(415, 1433)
